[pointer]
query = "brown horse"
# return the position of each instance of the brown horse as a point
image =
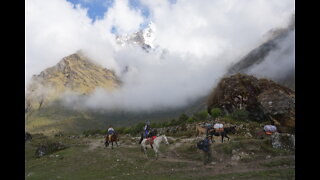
(111, 138)
(200, 130)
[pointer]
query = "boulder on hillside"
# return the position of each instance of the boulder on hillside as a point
(264, 100)
(283, 141)
(49, 148)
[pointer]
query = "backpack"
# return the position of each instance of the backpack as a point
(200, 144)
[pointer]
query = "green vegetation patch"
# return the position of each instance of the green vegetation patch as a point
(281, 162)
(264, 174)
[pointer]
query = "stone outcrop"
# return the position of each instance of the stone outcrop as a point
(264, 100)
(283, 141)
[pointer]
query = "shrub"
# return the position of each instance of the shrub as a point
(92, 132)
(166, 124)
(216, 112)
(105, 131)
(183, 118)
(137, 128)
(120, 130)
(190, 120)
(240, 115)
(173, 122)
(201, 116)
(154, 125)
(127, 130)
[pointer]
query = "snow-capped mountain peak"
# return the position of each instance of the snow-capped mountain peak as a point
(144, 38)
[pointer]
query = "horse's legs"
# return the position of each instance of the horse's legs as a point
(212, 139)
(227, 137)
(143, 148)
(141, 139)
(145, 151)
(156, 153)
(117, 143)
(112, 144)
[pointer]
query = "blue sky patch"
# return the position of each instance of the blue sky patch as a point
(97, 9)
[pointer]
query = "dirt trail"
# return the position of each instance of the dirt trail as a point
(99, 143)
(216, 168)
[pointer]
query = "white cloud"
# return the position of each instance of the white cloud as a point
(279, 62)
(201, 39)
(125, 19)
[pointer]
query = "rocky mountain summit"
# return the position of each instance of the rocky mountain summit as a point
(263, 99)
(75, 73)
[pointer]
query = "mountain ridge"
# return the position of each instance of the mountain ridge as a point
(74, 73)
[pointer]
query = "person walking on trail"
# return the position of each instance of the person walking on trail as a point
(111, 131)
(147, 129)
(207, 151)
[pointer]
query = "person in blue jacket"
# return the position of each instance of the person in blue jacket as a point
(147, 129)
(207, 151)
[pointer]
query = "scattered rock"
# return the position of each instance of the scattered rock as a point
(235, 158)
(283, 141)
(59, 134)
(49, 148)
(248, 135)
(234, 151)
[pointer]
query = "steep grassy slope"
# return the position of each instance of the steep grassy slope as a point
(56, 117)
(75, 73)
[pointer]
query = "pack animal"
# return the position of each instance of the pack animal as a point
(222, 132)
(200, 130)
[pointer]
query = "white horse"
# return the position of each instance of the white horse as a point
(156, 145)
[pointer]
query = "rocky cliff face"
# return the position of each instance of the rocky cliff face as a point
(263, 99)
(75, 73)
(273, 59)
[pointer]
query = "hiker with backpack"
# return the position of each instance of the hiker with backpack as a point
(205, 146)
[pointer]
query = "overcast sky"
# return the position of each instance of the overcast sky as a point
(200, 37)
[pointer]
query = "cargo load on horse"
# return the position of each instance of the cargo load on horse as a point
(218, 127)
(269, 129)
